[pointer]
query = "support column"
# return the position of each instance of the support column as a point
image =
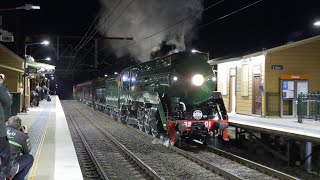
(236, 134)
(290, 153)
(308, 151)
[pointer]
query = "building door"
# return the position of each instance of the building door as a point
(256, 95)
(232, 95)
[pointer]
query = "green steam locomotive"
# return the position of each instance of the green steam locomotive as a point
(172, 96)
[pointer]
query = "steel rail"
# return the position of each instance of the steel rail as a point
(137, 160)
(251, 164)
(193, 158)
(220, 171)
(206, 164)
(90, 152)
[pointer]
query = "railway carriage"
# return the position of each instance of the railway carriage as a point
(172, 95)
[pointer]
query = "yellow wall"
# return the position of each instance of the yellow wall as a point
(12, 79)
(301, 60)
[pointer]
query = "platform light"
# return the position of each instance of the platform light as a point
(115, 72)
(45, 42)
(194, 50)
(106, 75)
(214, 78)
(317, 23)
(25, 7)
(47, 59)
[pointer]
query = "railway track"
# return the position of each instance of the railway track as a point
(105, 154)
(91, 168)
(220, 162)
(234, 167)
(168, 165)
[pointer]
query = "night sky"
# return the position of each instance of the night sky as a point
(266, 24)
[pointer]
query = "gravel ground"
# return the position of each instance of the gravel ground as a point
(268, 160)
(232, 167)
(164, 161)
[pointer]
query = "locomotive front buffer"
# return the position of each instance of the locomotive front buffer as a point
(189, 131)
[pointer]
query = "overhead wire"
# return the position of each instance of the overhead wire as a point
(95, 31)
(71, 61)
(252, 4)
(89, 28)
(112, 22)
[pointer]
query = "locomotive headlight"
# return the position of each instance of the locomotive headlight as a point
(197, 80)
(175, 78)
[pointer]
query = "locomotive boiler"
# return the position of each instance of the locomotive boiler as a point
(172, 96)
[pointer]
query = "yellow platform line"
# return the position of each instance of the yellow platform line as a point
(34, 168)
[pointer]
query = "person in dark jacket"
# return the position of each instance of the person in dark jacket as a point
(5, 102)
(21, 161)
(37, 96)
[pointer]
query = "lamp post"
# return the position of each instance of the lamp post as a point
(25, 7)
(196, 51)
(24, 107)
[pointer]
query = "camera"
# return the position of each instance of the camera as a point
(24, 129)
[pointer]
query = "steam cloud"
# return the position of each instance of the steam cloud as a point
(146, 17)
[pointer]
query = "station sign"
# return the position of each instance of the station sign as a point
(277, 67)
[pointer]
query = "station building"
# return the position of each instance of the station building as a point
(267, 83)
(12, 66)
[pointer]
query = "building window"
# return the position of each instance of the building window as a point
(245, 80)
(223, 81)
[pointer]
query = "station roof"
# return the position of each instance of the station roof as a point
(42, 67)
(264, 52)
(10, 60)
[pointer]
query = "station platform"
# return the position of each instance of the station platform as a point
(309, 130)
(51, 143)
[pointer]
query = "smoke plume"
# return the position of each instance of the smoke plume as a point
(144, 18)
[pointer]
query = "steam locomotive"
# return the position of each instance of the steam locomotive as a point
(172, 96)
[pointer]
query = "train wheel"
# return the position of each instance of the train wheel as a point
(178, 142)
(146, 125)
(140, 124)
(154, 125)
(154, 132)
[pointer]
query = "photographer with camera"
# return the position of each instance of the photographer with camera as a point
(21, 161)
(5, 102)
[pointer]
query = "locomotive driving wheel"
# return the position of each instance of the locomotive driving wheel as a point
(146, 125)
(140, 118)
(154, 131)
(146, 122)
(154, 117)
(140, 124)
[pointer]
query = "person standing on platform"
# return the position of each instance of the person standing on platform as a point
(5, 101)
(21, 161)
(37, 96)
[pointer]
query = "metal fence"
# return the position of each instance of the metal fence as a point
(272, 104)
(309, 106)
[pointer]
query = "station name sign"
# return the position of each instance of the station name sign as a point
(277, 67)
